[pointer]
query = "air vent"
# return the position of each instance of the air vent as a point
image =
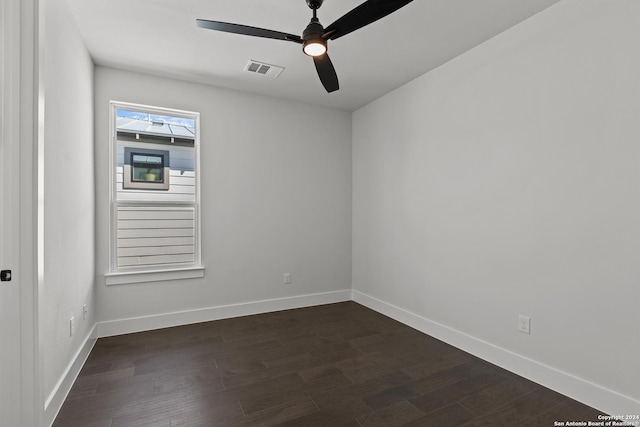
(268, 70)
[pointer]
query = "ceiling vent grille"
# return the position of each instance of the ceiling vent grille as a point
(268, 70)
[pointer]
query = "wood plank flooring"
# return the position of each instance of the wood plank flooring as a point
(331, 365)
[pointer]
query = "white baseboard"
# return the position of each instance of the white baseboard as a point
(61, 390)
(167, 320)
(594, 395)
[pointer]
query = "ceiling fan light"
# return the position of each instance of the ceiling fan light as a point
(315, 47)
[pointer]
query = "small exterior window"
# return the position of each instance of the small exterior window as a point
(146, 169)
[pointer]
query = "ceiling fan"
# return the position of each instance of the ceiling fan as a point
(315, 36)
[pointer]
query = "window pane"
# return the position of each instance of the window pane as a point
(138, 123)
(147, 167)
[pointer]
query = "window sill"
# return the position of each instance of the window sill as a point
(129, 277)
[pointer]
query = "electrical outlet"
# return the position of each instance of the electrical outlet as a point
(287, 278)
(84, 312)
(71, 327)
(524, 324)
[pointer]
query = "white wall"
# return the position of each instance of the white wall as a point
(276, 198)
(69, 224)
(507, 182)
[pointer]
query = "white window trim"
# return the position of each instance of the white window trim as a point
(121, 276)
(124, 278)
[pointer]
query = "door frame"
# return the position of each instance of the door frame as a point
(22, 74)
(10, 386)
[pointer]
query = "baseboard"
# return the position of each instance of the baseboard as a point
(167, 320)
(61, 390)
(594, 395)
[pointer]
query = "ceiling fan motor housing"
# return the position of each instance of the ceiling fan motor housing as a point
(313, 43)
(314, 30)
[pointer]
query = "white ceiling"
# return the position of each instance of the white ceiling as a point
(160, 37)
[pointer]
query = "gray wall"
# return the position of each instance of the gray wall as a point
(69, 227)
(276, 198)
(506, 182)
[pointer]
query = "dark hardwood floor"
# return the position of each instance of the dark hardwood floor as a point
(332, 365)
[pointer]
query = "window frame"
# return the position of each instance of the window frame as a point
(125, 275)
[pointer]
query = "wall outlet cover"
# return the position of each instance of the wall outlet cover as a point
(524, 324)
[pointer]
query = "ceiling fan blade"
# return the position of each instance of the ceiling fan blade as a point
(326, 72)
(247, 30)
(368, 12)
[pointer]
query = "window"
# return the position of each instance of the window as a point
(155, 195)
(146, 169)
